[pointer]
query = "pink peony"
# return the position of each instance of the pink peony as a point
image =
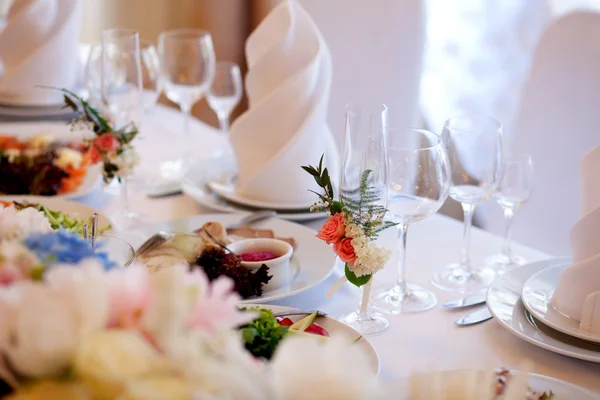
(345, 250)
(333, 229)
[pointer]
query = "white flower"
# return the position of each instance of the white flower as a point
(125, 162)
(369, 258)
(17, 262)
(12, 154)
(68, 158)
(344, 371)
(16, 225)
(41, 140)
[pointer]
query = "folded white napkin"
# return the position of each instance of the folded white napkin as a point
(577, 294)
(39, 46)
(288, 84)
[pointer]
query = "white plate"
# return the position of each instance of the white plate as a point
(195, 185)
(335, 328)
(228, 192)
(60, 130)
(539, 383)
(536, 295)
(313, 259)
(504, 302)
(34, 112)
(77, 210)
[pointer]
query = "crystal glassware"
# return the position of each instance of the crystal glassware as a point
(117, 250)
(187, 68)
(225, 92)
(364, 148)
(418, 185)
(475, 152)
(514, 191)
(121, 97)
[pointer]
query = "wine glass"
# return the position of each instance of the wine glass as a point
(514, 191)
(364, 148)
(418, 184)
(475, 152)
(121, 96)
(187, 68)
(225, 92)
(150, 72)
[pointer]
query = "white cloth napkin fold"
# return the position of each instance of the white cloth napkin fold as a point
(39, 47)
(577, 294)
(288, 85)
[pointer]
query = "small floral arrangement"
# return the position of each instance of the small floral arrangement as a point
(353, 226)
(111, 146)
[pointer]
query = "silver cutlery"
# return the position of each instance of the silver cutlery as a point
(475, 317)
(167, 189)
(292, 313)
(254, 217)
(94, 229)
(467, 301)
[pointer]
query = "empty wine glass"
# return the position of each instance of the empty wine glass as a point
(474, 147)
(514, 191)
(418, 184)
(364, 148)
(121, 96)
(187, 65)
(225, 92)
(150, 73)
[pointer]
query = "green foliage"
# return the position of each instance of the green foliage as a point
(262, 335)
(357, 281)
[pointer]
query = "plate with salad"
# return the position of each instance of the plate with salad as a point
(62, 213)
(263, 335)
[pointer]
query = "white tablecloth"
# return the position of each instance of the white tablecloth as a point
(419, 341)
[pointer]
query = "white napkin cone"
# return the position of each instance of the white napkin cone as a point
(288, 85)
(39, 47)
(577, 294)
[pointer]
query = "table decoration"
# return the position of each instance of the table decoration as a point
(577, 294)
(288, 85)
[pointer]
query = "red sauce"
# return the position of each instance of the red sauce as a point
(258, 256)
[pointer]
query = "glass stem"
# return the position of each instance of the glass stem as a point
(187, 147)
(224, 123)
(402, 290)
(468, 210)
(124, 195)
(509, 213)
(364, 302)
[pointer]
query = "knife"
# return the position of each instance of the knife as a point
(468, 301)
(474, 318)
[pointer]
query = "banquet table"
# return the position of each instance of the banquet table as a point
(413, 342)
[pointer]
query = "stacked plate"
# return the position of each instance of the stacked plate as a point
(212, 183)
(520, 300)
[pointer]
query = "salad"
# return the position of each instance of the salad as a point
(263, 335)
(41, 165)
(57, 219)
(503, 377)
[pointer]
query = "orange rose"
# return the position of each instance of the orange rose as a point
(107, 142)
(94, 155)
(345, 250)
(333, 230)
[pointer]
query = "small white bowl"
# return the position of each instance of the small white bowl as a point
(279, 268)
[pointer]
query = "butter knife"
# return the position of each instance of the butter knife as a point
(475, 317)
(468, 301)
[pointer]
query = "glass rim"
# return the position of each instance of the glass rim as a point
(422, 132)
(127, 244)
(120, 33)
(488, 119)
(376, 107)
(185, 34)
(228, 64)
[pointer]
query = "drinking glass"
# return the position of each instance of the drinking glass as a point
(187, 68)
(514, 191)
(150, 72)
(225, 92)
(121, 96)
(474, 147)
(364, 148)
(418, 184)
(5, 6)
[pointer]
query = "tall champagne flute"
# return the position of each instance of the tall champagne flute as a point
(225, 92)
(364, 148)
(121, 96)
(418, 185)
(187, 65)
(514, 191)
(475, 152)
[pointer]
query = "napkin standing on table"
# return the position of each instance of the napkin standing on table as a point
(288, 85)
(39, 47)
(577, 294)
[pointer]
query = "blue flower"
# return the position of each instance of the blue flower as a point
(62, 247)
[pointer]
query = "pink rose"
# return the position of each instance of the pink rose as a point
(345, 250)
(333, 230)
(107, 142)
